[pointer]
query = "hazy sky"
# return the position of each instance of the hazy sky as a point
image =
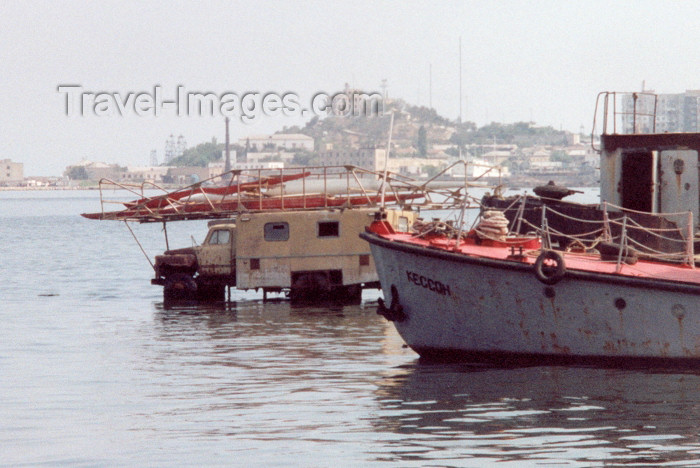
(521, 60)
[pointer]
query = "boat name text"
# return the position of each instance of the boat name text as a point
(428, 283)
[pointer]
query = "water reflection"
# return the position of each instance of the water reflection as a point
(97, 371)
(322, 379)
(543, 414)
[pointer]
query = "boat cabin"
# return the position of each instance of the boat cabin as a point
(655, 173)
(643, 170)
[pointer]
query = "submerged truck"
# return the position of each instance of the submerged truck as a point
(287, 230)
(309, 254)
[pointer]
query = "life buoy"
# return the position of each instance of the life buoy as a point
(548, 273)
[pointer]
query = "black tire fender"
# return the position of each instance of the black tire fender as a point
(547, 273)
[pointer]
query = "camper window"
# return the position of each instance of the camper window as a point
(276, 232)
(328, 229)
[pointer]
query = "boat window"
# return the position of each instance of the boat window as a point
(276, 232)
(220, 236)
(402, 224)
(328, 229)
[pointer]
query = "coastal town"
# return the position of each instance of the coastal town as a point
(423, 144)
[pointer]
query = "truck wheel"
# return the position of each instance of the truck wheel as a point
(179, 286)
(211, 291)
(310, 286)
(352, 294)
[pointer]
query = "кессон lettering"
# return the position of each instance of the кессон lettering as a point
(428, 283)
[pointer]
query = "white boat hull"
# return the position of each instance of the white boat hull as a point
(458, 306)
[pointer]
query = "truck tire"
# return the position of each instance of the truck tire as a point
(179, 286)
(210, 291)
(352, 294)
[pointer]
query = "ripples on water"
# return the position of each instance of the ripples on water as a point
(95, 371)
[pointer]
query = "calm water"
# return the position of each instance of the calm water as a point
(94, 371)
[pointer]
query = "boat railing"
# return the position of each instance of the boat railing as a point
(615, 227)
(627, 112)
(240, 190)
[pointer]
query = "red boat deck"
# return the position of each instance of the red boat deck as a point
(585, 262)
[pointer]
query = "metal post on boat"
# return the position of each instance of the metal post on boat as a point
(139, 244)
(690, 243)
(237, 175)
(521, 213)
(614, 113)
(386, 158)
(607, 236)
(544, 225)
(102, 203)
(325, 187)
(347, 183)
(282, 188)
(605, 114)
(623, 244)
(303, 188)
(461, 221)
(165, 231)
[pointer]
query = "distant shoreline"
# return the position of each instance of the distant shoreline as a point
(34, 189)
(512, 181)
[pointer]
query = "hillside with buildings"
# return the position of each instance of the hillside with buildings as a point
(422, 144)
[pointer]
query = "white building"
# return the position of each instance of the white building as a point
(217, 168)
(11, 172)
(496, 157)
(679, 112)
(256, 158)
(478, 168)
(366, 158)
(413, 167)
(287, 141)
(144, 174)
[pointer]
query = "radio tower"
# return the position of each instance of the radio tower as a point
(181, 146)
(154, 158)
(169, 149)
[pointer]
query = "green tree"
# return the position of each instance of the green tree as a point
(77, 173)
(306, 158)
(560, 156)
(430, 170)
(200, 155)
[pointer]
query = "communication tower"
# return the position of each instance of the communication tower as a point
(169, 149)
(181, 146)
